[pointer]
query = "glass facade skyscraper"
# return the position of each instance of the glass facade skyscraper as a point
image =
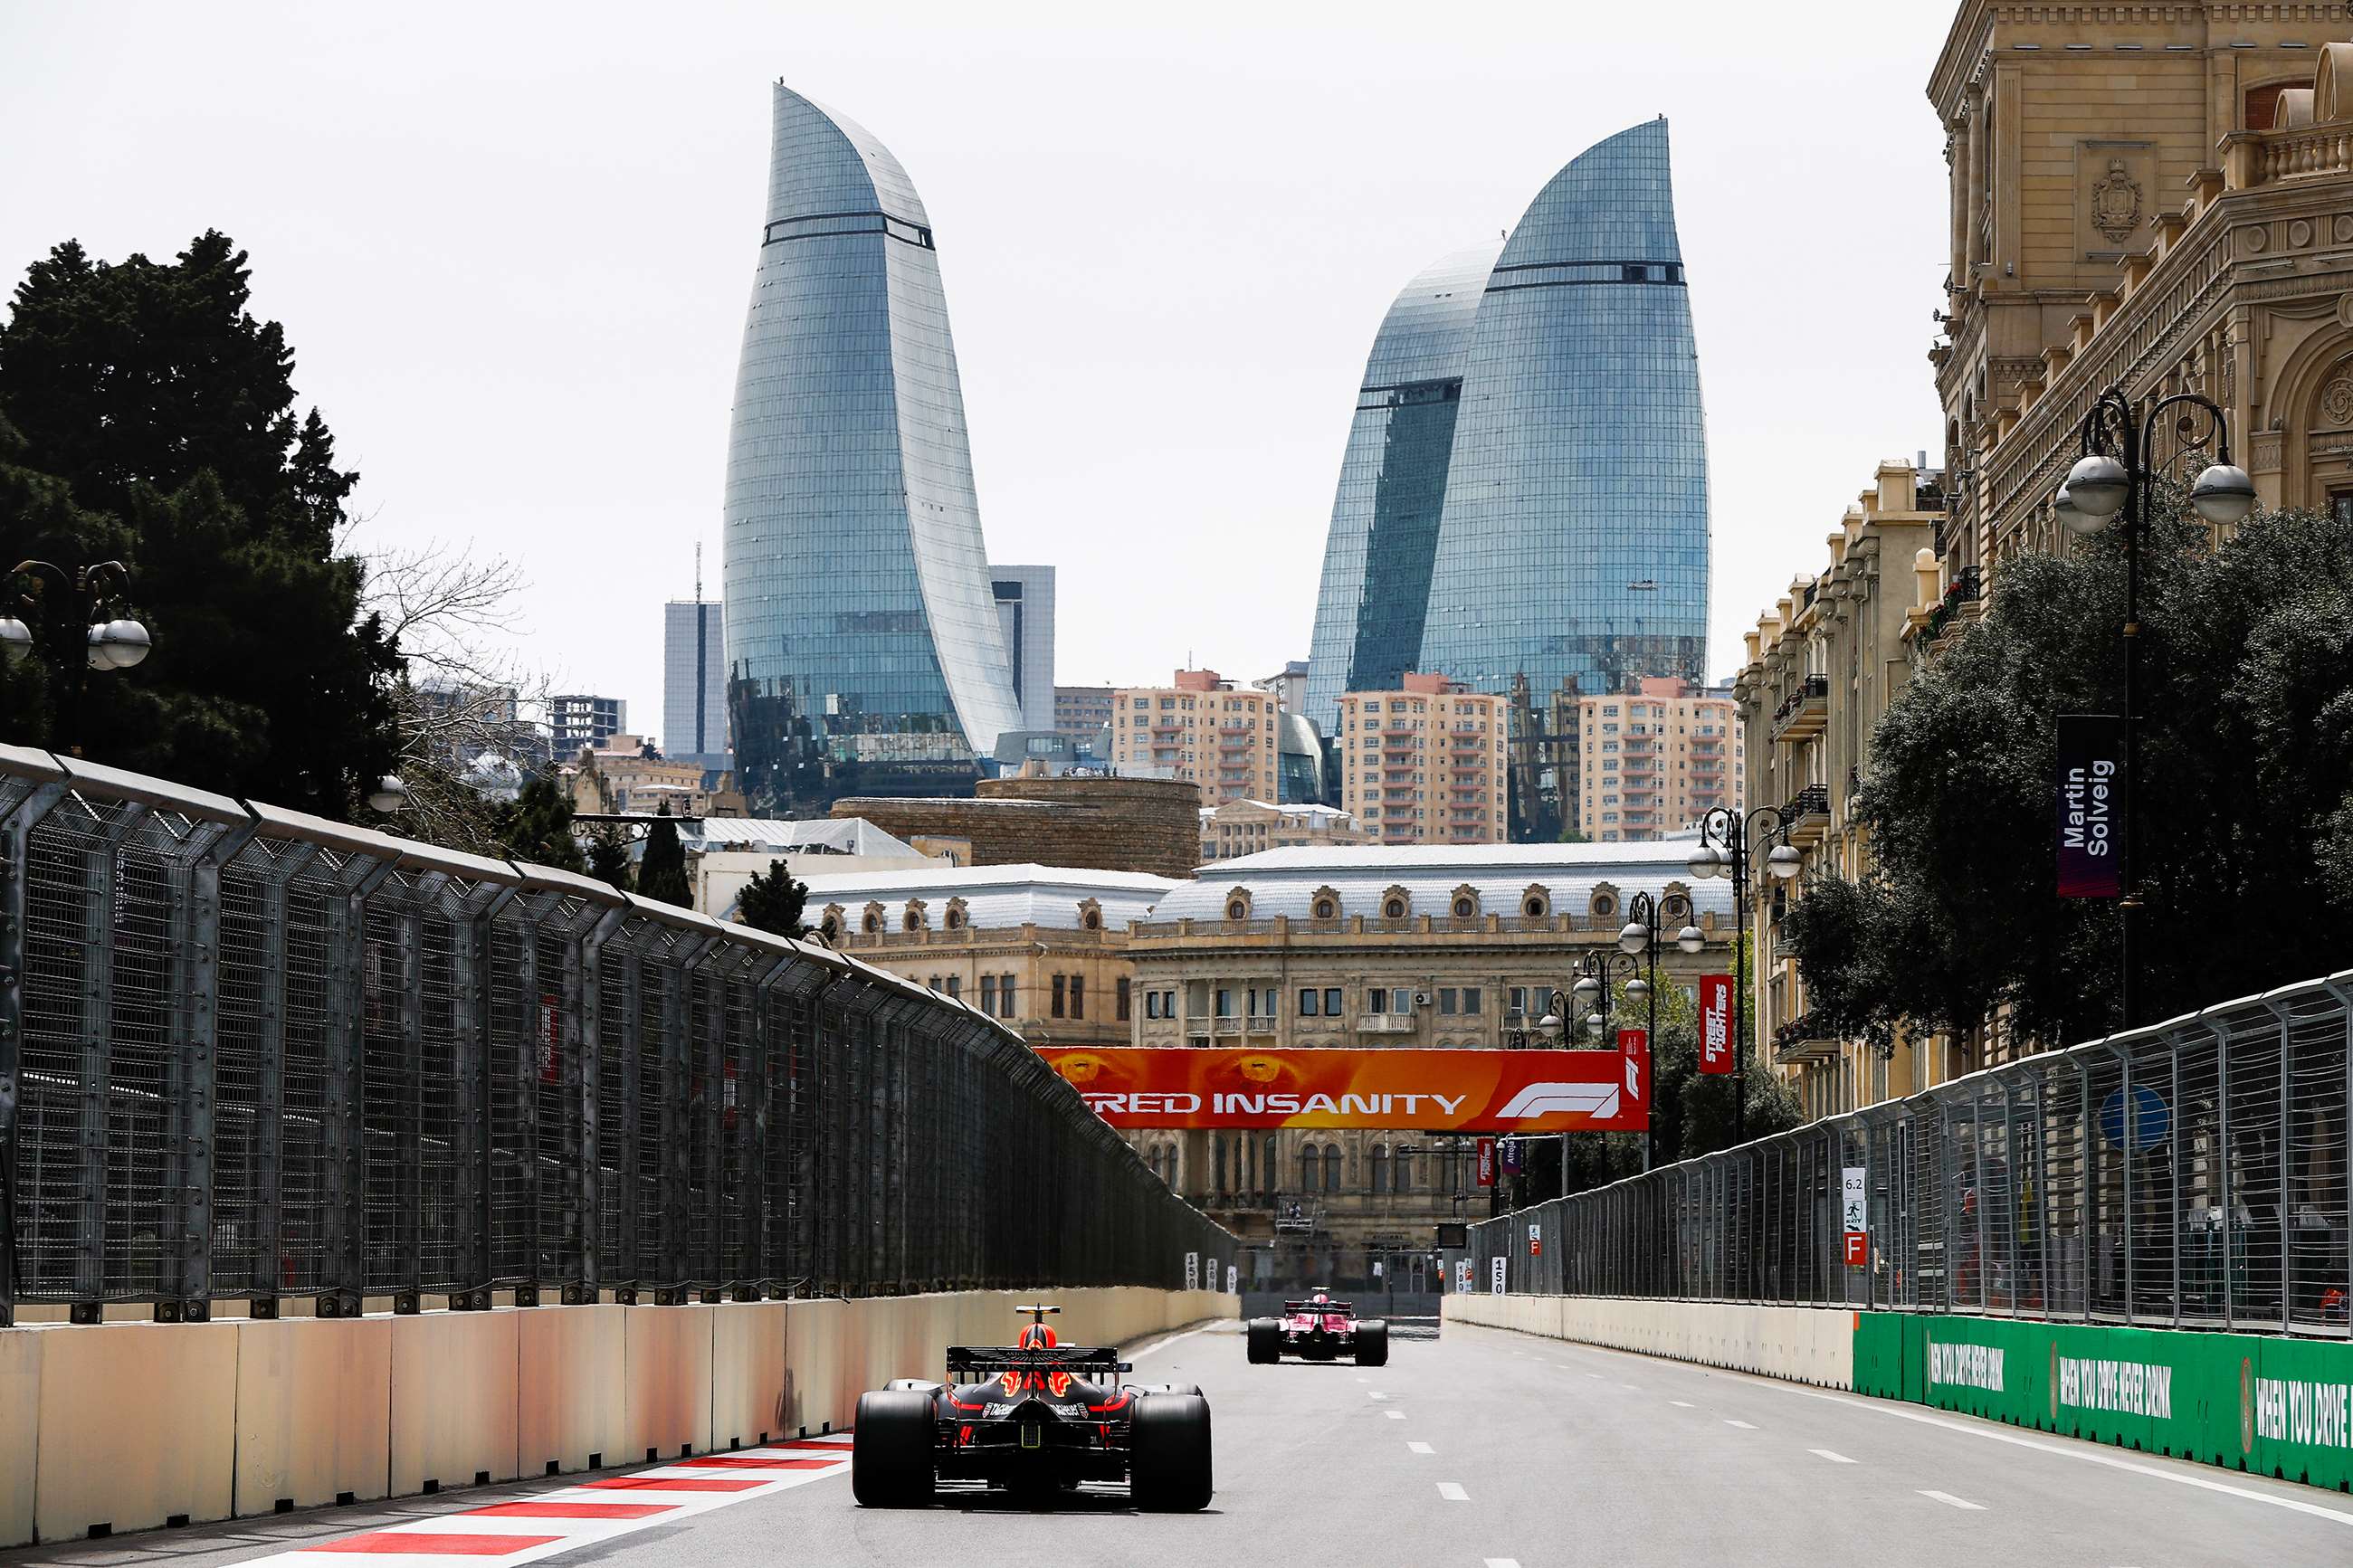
(1384, 535)
(1571, 545)
(864, 651)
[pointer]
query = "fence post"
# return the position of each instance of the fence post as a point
(195, 942)
(17, 831)
(2222, 1163)
(2128, 1112)
(343, 1275)
(2286, 1119)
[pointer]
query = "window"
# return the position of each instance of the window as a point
(1332, 1001)
(872, 923)
(1403, 1175)
(956, 985)
(1464, 908)
(1091, 919)
(1400, 1000)
(1471, 1000)
(1062, 993)
(1376, 1000)
(1447, 997)
(989, 994)
(1380, 1169)
(1309, 1168)
(1152, 1004)
(1307, 997)
(1237, 910)
(1331, 1167)
(955, 919)
(1225, 1006)
(1395, 909)
(1122, 1005)
(1004, 997)
(1078, 996)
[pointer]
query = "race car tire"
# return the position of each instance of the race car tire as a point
(1169, 1469)
(1265, 1341)
(1373, 1342)
(891, 1449)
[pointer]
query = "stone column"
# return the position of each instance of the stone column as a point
(1972, 250)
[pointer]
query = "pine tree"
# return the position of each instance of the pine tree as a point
(773, 901)
(609, 858)
(166, 411)
(661, 870)
(538, 826)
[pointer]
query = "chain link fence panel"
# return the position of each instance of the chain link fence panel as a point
(251, 1054)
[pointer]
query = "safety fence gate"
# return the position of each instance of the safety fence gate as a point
(250, 1054)
(2189, 1175)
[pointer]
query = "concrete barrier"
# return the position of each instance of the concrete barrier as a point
(1803, 1344)
(453, 1399)
(313, 1413)
(128, 1425)
(138, 1426)
(570, 1409)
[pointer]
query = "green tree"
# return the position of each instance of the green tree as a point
(537, 824)
(662, 870)
(166, 412)
(2244, 802)
(609, 858)
(773, 901)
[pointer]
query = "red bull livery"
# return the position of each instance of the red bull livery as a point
(1034, 1418)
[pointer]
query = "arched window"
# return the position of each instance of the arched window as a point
(915, 921)
(872, 923)
(1308, 1169)
(1237, 910)
(1091, 919)
(955, 918)
(1380, 1169)
(1269, 1167)
(1219, 1143)
(1326, 910)
(1404, 1170)
(1394, 909)
(1464, 908)
(1331, 1167)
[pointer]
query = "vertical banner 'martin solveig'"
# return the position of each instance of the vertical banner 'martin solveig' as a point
(2090, 805)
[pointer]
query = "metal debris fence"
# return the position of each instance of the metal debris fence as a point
(250, 1054)
(2191, 1174)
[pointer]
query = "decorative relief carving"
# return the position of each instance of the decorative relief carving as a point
(2345, 309)
(2343, 228)
(2115, 203)
(2336, 401)
(2265, 452)
(2254, 238)
(2299, 234)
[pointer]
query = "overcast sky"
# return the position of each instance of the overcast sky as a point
(513, 247)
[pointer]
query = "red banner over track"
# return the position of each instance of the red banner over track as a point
(1429, 1090)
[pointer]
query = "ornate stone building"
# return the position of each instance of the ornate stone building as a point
(2157, 194)
(1822, 664)
(1388, 948)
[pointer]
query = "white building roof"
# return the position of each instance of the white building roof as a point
(774, 836)
(998, 896)
(1283, 882)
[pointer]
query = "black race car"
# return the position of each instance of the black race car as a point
(1034, 1420)
(1320, 1328)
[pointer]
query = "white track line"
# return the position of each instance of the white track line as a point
(1377, 1393)
(1683, 1404)
(1499, 1562)
(1955, 1501)
(1419, 1448)
(1394, 1415)
(2088, 1453)
(1744, 1425)
(1832, 1455)
(1453, 1491)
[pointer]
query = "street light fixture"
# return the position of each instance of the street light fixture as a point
(58, 601)
(390, 796)
(2112, 477)
(1727, 842)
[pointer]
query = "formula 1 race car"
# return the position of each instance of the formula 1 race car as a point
(1034, 1419)
(1320, 1328)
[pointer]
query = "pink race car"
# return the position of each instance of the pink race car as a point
(1319, 1329)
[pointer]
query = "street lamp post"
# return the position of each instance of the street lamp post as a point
(1592, 991)
(71, 609)
(1727, 842)
(1640, 938)
(2113, 476)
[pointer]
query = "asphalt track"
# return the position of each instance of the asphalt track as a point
(1482, 1449)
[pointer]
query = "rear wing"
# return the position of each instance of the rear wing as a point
(1005, 1358)
(1319, 1308)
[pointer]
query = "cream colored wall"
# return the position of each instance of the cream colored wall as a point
(1804, 1344)
(131, 1426)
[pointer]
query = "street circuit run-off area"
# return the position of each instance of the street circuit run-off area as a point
(1481, 1447)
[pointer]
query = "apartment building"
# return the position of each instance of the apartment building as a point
(1202, 729)
(1656, 758)
(1424, 765)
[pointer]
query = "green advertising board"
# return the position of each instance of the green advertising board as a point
(2273, 1406)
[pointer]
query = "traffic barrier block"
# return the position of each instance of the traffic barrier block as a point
(812, 1359)
(667, 1380)
(453, 1398)
(313, 1412)
(138, 1427)
(20, 1430)
(747, 1372)
(571, 1397)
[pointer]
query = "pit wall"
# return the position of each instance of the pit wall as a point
(132, 1425)
(2258, 1403)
